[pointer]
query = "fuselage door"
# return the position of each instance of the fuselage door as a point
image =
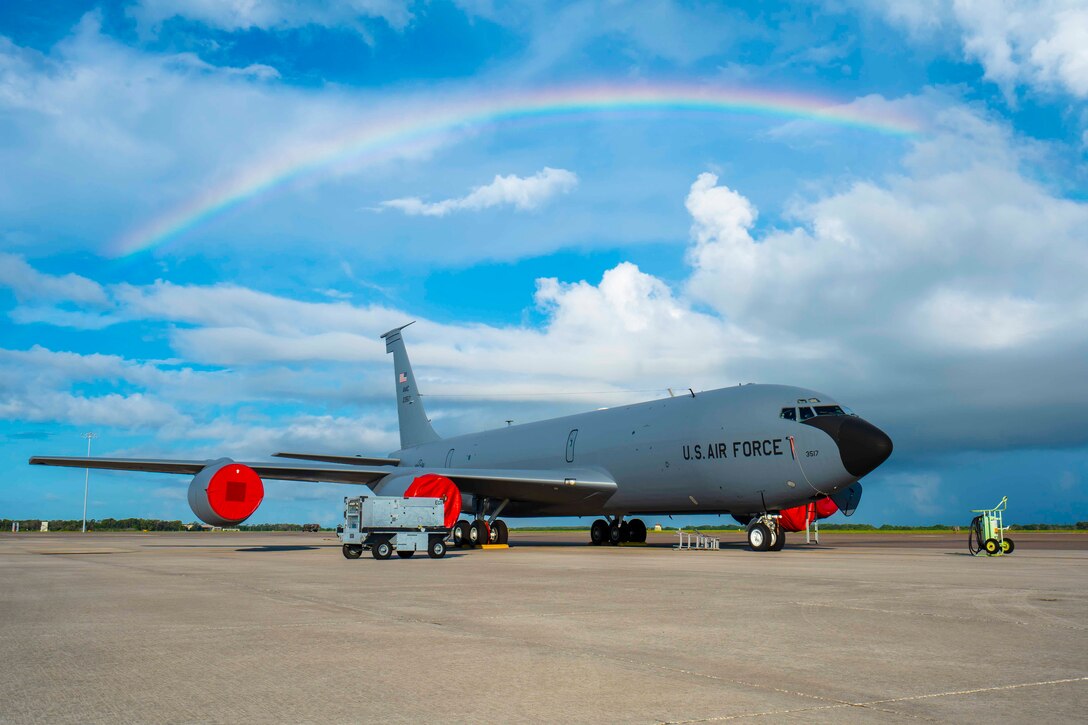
(570, 445)
(449, 459)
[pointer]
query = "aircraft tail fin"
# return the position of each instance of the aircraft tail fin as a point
(415, 428)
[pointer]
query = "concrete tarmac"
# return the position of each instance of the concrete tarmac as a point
(234, 627)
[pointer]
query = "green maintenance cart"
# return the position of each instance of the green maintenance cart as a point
(987, 534)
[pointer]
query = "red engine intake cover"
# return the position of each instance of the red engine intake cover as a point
(225, 493)
(431, 485)
(794, 519)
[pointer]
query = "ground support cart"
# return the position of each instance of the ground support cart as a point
(385, 524)
(987, 535)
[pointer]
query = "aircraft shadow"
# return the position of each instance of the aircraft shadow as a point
(269, 549)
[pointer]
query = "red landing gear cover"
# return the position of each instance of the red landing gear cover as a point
(794, 519)
(431, 485)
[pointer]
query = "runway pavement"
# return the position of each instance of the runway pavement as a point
(232, 627)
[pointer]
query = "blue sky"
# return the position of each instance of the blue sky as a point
(934, 280)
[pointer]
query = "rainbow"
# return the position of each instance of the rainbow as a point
(386, 136)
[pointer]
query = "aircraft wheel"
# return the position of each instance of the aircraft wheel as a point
(779, 541)
(615, 534)
(636, 531)
(625, 532)
(437, 548)
(1007, 546)
(460, 533)
(382, 550)
(477, 533)
(352, 551)
(759, 537)
(598, 532)
(991, 546)
(405, 554)
(500, 532)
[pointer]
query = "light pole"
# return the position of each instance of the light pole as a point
(87, 477)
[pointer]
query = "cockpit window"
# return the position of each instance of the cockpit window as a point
(829, 410)
(788, 414)
(807, 413)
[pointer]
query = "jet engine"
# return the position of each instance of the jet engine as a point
(225, 493)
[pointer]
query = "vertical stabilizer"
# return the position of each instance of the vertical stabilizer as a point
(414, 426)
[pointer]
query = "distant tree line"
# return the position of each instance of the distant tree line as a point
(95, 524)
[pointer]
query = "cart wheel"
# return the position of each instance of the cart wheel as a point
(382, 550)
(501, 533)
(437, 549)
(1007, 546)
(991, 546)
(405, 554)
(352, 551)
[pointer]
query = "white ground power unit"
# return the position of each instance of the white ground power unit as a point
(385, 524)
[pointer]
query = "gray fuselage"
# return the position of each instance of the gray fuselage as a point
(719, 451)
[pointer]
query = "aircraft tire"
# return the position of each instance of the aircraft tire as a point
(779, 541)
(1007, 546)
(759, 537)
(500, 532)
(636, 531)
(478, 534)
(352, 551)
(405, 554)
(437, 548)
(381, 550)
(598, 532)
(460, 533)
(991, 546)
(615, 534)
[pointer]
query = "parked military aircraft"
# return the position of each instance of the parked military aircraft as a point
(752, 451)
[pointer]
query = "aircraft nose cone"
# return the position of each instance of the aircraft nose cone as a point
(862, 446)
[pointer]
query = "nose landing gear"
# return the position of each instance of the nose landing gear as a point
(765, 534)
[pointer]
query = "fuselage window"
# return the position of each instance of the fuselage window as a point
(788, 414)
(829, 410)
(807, 413)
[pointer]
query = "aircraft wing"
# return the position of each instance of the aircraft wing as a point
(285, 471)
(536, 485)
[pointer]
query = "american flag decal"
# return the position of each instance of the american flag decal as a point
(403, 378)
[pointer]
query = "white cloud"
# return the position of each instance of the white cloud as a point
(275, 15)
(522, 193)
(29, 284)
(1040, 43)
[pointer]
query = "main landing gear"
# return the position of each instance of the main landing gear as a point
(481, 531)
(617, 531)
(765, 534)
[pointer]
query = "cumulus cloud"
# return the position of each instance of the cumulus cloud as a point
(1040, 43)
(274, 15)
(28, 284)
(522, 193)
